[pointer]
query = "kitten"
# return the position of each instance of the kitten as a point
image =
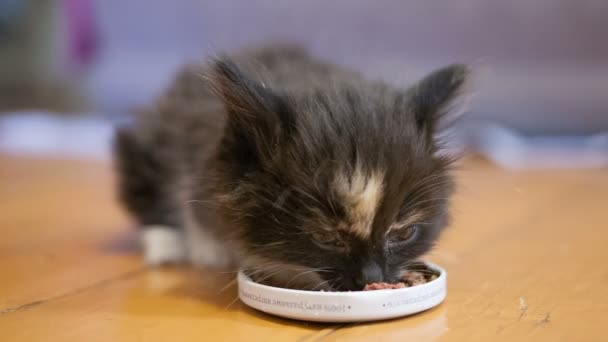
(299, 171)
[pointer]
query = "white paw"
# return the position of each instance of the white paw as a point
(163, 245)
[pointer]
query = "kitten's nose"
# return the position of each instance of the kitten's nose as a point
(371, 273)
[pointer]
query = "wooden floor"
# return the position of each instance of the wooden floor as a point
(526, 255)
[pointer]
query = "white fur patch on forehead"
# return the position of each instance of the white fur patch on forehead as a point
(361, 194)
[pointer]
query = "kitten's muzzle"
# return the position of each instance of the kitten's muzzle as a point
(371, 272)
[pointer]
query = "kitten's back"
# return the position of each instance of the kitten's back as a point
(175, 138)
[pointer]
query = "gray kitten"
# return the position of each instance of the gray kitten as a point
(299, 171)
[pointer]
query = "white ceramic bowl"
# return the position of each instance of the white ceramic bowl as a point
(356, 306)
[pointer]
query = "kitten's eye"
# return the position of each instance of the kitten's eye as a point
(328, 241)
(338, 243)
(404, 234)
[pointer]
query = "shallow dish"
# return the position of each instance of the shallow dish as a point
(356, 306)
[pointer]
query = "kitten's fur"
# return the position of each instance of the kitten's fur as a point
(302, 172)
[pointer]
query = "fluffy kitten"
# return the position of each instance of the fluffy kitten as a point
(302, 172)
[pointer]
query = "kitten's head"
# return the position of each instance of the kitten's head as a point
(341, 187)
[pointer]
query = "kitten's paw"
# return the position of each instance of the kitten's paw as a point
(163, 245)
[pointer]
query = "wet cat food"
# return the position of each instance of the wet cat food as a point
(411, 278)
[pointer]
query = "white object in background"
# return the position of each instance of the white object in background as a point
(39, 134)
(356, 306)
(511, 150)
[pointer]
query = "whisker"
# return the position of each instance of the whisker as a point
(426, 201)
(231, 302)
(272, 273)
(206, 203)
(335, 281)
(271, 244)
(229, 284)
(423, 181)
(301, 191)
(428, 187)
(320, 285)
(304, 273)
(412, 201)
(268, 267)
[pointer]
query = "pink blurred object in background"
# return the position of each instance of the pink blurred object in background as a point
(82, 38)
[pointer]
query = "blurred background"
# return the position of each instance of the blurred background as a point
(70, 69)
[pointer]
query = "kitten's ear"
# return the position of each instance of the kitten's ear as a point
(245, 99)
(434, 98)
(255, 113)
